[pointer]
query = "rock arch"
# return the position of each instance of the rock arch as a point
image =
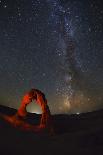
(39, 97)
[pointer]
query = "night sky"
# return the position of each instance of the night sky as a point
(55, 46)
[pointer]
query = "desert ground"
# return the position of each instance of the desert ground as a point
(74, 134)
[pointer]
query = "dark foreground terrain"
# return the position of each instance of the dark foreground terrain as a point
(74, 134)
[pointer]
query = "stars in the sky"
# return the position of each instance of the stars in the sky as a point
(3, 4)
(19, 12)
(55, 46)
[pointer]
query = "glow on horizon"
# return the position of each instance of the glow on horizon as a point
(77, 113)
(36, 111)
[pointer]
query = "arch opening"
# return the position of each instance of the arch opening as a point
(33, 107)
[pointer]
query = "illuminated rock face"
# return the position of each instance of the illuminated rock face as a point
(39, 97)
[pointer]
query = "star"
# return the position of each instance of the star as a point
(5, 6)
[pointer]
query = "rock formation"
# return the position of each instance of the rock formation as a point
(40, 99)
(18, 120)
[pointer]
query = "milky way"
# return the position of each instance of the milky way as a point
(55, 46)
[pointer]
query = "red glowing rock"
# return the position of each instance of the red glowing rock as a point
(18, 120)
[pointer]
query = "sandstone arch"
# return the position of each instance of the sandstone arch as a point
(39, 97)
(18, 120)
